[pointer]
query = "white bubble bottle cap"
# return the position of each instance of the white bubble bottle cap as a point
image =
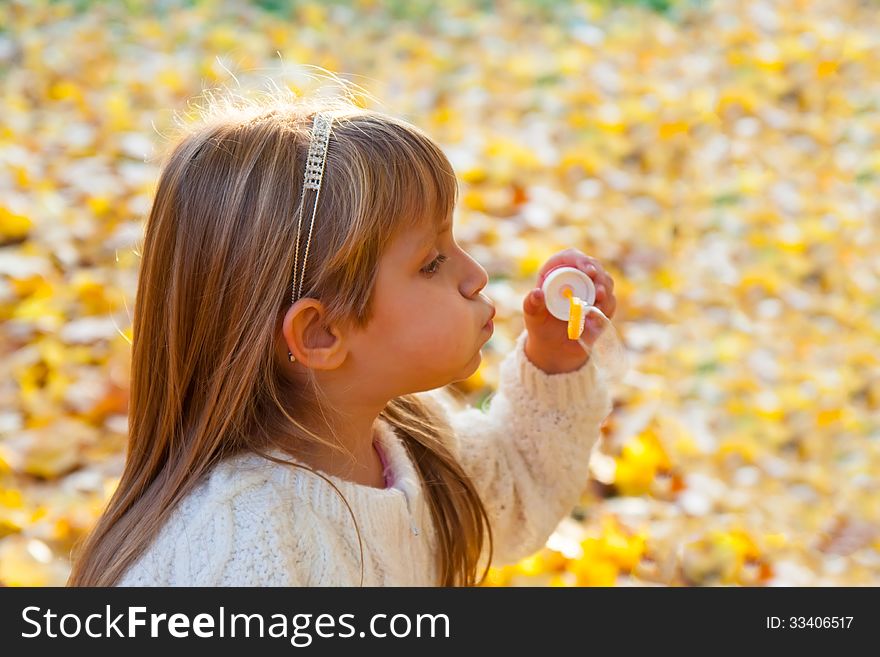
(554, 287)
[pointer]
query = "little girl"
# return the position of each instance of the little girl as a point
(301, 305)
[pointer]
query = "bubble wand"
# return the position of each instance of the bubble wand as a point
(570, 295)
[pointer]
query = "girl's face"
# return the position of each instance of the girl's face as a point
(430, 317)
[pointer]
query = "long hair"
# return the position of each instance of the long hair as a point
(214, 284)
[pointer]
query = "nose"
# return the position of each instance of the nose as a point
(477, 279)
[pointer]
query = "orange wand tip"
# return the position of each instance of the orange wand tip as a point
(575, 316)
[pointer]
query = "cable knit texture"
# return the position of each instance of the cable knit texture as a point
(253, 522)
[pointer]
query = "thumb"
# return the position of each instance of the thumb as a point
(534, 303)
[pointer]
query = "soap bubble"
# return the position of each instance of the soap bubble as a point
(604, 344)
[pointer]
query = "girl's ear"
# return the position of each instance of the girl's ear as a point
(308, 337)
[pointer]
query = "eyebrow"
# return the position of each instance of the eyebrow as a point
(429, 237)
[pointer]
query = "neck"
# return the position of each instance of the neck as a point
(355, 431)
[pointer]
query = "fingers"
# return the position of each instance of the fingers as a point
(594, 270)
(575, 258)
(605, 301)
(568, 257)
(588, 264)
(594, 326)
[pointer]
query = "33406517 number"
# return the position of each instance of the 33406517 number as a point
(812, 622)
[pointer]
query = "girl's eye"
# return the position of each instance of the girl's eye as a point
(432, 267)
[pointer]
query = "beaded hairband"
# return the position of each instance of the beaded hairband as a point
(312, 178)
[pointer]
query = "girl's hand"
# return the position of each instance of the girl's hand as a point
(547, 344)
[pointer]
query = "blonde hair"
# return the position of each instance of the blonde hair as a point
(214, 285)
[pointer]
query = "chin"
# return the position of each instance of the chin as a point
(476, 360)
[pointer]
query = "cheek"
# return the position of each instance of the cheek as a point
(434, 326)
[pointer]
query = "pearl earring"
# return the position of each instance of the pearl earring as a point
(290, 357)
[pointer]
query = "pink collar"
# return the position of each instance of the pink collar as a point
(389, 477)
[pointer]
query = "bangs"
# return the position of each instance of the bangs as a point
(424, 190)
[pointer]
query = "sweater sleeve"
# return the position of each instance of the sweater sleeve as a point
(528, 453)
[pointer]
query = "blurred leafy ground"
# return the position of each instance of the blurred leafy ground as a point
(720, 158)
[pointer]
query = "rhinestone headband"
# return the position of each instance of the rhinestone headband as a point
(314, 173)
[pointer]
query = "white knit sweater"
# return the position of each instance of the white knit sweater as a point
(253, 522)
